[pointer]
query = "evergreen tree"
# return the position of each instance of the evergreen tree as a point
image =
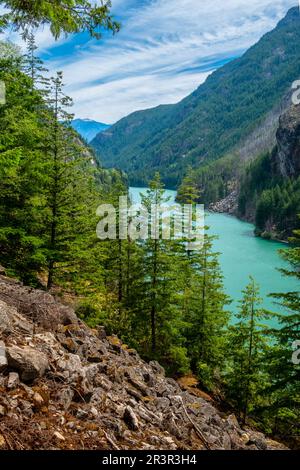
(22, 174)
(247, 348)
(204, 310)
(188, 192)
(33, 66)
(158, 318)
(71, 193)
(67, 17)
(284, 392)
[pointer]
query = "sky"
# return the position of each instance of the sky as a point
(164, 51)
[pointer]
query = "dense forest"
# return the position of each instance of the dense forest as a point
(272, 202)
(160, 298)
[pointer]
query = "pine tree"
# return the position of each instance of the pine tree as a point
(22, 174)
(284, 412)
(33, 66)
(247, 348)
(204, 305)
(157, 316)
(188, 192)
(71, 192)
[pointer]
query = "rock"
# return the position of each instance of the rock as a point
(226, 441)
(162, 403)
(170, 442)
(121, 402)
(29, 362)
(10, 320)
(69, 344)
(2, 271)
(3, 358)
(101, 333)
(38, 400)
(13, 380)
(82, 414)
(5, 319)
(233, 422)
(2, 442)
(227, 205)
(157, 368)
(66, 396)
(59, 436)
(131, 419)
(93, 352)
(71, 365)
(36, 305)
(140, 386)
(287, 158)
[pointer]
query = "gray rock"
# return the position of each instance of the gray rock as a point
(5, 319)
(157, 368)
(101, 332)
(131, 419)
(162, 403)
(13, 380)
(3, 358)
(66, 396)
(29, 362)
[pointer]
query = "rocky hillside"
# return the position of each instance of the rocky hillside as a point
(65, 386)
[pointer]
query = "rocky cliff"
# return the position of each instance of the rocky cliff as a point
(287, 157)
(65, 386)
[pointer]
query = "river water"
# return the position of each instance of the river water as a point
(242, 255)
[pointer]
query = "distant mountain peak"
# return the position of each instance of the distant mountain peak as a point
(88, 128)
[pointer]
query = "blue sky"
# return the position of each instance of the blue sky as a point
(165, 50)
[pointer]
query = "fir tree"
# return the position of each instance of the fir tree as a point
(204, 305)
(247, 348)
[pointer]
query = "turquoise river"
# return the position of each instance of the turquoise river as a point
(242, 255)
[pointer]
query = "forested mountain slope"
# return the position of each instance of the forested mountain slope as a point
(213, 120)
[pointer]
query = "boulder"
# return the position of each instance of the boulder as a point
(29, 362)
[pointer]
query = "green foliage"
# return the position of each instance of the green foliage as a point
(69, 16)
(211, 182)
(284, 412)
(273, 202)
(203, 304)
(247, 345)
(22, 173)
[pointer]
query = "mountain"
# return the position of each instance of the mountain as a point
(213, 121)
(66, 386)
(88, 129)
(269, 193)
